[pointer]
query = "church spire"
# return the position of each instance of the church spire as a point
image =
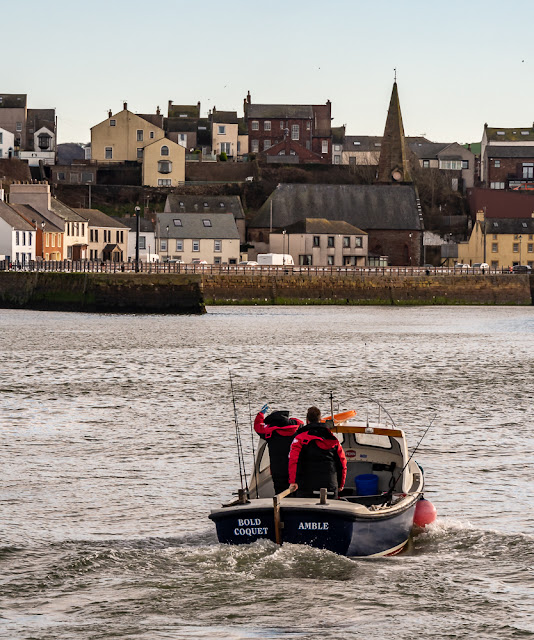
(393, 164)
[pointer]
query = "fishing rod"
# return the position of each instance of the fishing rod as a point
(412, 455)
(253, 446)
(240, 457)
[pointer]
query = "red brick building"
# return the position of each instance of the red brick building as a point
(510, 167)
(308, 127)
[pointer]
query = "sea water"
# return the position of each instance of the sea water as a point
(117, 437)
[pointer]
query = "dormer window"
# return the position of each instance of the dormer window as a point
(181, 204)
(177, 222)
(500, 133)
(206, 222)
(221, 204)
(525, 133)
(44, 141)
(164, 150)
(356, 143)
(495, 224)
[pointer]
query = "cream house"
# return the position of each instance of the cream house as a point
(123, 136)
(108, 237)
(163, 164)
(321, 242)
(500, 242)
(188, 237)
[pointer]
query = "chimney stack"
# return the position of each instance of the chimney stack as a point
(110, 113)
(158, 112)
(125, 106)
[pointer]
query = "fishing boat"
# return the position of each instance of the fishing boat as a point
(374, 514)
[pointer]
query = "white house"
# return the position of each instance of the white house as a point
(44, 148)
(7, 143)
(147, 239)
(17, 237)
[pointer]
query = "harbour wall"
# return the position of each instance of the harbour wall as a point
(102, 292)
(506, 289)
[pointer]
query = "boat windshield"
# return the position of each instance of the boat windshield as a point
(373, 440)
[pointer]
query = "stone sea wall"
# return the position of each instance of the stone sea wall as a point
(513, 289)
(102, 292)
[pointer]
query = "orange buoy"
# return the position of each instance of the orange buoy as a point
(341, 417)
(425, 513)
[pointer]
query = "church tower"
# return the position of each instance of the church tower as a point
(393, 166)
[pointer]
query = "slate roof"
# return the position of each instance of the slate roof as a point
(153, 118)
(322, 225)
(147, 226)
(364, 206)
(279, 111)
(64, 212)
(197, 204)
(363, 143)
(13, 100)
(428, 150)
(510, 225)
(222, 227)
(513, 151)
(512, 134)
(189, 110)
(31, 214)
(225, 117)
(9, 215)
(96, 218)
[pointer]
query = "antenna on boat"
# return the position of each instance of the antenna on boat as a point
(332, 406)
(367, 377)
(240, 457)
(253, 446)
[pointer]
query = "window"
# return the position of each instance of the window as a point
(316, 241)
(281, 124)
(139, 135)
(216, 259)
(295, 132)
(292, 152)
(139, 152)
(24, 238)
(96, 235)
(330, 260)
(151, 135)
(87, 177)
(530, 247)
(358, 242)
(108, 153)
(528, 170)
(308, 125)
(164, 182)
(356, 143)
(267, 125)
(465, 164)
(266, 145)
(305, 260)
(225, 148)
(337, 147)
(163, 244)
(217, 245)
(91, 234)
(337, 159)
(206, 222)
(74, 178)
(177, 221)
(164, 150)
(308, 145)
(451, 165)
(179, 245)
(494, 264)
(196, 245)
(500, 133)
(516, 247)
(255, 125)
(497, 164)
(44, 141)
(255, 146)
(61, 175)
(530, 236)
(525, 133)
(221, 130)
(346, 242)
(330, 242)
(19, 126)
(119, 234)
(112, 123)
(349, 261)
(164, 166)
(426, 164)
(324, 146)
(83, 229)
(494, 247)
(497, 185)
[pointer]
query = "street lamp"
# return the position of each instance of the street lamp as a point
(410, 248)
(284, 247)
(42, 239)
(137, 230)
(520, 238)
(167, 227)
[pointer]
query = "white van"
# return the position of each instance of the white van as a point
(281, 259)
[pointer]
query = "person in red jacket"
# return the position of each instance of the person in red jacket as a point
(278, 430)
(316, 459)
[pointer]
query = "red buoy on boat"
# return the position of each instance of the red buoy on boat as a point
(425, 513)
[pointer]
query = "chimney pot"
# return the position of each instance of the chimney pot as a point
(125, 105)
(110, 113)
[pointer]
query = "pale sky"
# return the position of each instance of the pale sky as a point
(459, 63)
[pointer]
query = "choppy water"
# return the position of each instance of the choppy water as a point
(116, 438)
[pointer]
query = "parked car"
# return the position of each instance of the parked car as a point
(459, 265)
(481, 265)
(249, 263)
(198, 261)
(521, 268)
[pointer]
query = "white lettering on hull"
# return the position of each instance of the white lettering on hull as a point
(315, 526)
(249, 527)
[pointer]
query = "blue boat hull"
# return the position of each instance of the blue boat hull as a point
(342, 533)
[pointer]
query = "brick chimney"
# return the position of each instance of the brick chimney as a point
(158, 112)
(36, 195)
(125, 106)
(110, 113)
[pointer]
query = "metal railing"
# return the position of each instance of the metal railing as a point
(98, 266)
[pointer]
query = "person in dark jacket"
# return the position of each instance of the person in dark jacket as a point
(278, 430)
(316, 459)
